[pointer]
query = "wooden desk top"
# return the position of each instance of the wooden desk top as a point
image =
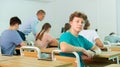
(20, 61)
(101, 60)
(112, 44)
(113, 65)
(104, 54)
(48, 50)
(45, 50)
(108, 54)
(115, 48)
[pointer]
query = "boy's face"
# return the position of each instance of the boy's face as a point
(77, 24)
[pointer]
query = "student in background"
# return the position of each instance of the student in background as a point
(91, 35)
(66, 27)
(29, 25)
(72, 42)
(112, 38)
(43, 39)
(10, 37)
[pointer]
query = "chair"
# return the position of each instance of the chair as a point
(30, 39)
(31, 43)
(75, 53)
(107, 44)
(30, 51)
(0, 50)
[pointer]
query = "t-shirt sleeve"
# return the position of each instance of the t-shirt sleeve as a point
(87, 44)
(64, 38)
(95, 35)
(16, 38)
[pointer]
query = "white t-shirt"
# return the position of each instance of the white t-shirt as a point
(90, 35)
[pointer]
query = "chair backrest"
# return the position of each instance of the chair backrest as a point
(107, 44)
(30, 39)
(30, 51)
(67, 59)
(0, 50)
(31, 43)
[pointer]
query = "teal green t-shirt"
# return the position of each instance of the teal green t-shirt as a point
(79, 41)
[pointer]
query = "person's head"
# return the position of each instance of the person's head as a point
(15, 21)
(76, 21)
(66, 27)
(87, 25)
(45, 28)
(112, 33)
(85, 17)
(40, 14)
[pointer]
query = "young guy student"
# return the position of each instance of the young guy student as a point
(71, 41)
(10, 38)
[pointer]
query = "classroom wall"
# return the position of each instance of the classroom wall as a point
(107, 17)
(118, 17)
(101, 13)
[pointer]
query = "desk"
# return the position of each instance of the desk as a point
(104, 59)
(113, 65)
(20, 61)
(48, 50)
(109, 55)
(115, 48)
(104, 55)
(45, 50)
(117, 44)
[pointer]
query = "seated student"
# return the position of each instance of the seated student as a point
(72, 42)
(66, 27)
(10, 38)
(91, 35)
(43, 39)
(112, 38)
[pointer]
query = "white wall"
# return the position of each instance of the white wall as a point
(21, 8)
(118, 17)
(107, 17)
(101, 13)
